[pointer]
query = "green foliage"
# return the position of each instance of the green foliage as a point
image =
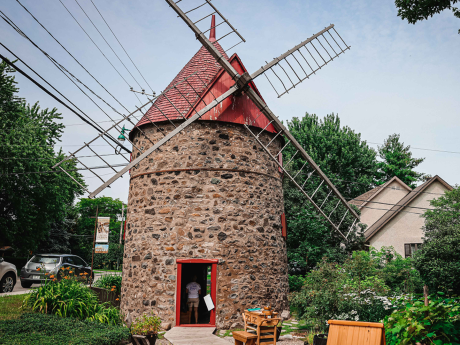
(108, 281)
(356, 290)
(349, 163)
(413, 322)
(146, 325)
(397, 161)
(439, 258)
(111, 259)
(296, 282)
(54, 330)
(69, 297)
(416, 10)
(86, 208)
(31, 197)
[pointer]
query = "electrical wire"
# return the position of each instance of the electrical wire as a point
(108, 44)
(55, 171)
(98, 48)
(91, 156)
(57, 99)
(59, 67)
(121, 46)
(100, 130)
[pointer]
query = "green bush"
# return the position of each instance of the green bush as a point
(108, 281)
(68, 297)
(413, 322)
(296, 282)
(357, 290)
(54, 330)
(146, 325)
(439, 258)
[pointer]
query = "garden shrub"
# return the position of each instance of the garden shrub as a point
(412, 322)
(69, 297)
(357, 290)
(33, 328)
(296, 282)
(108, 281)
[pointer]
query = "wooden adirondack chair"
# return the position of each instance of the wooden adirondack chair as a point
(355, 333)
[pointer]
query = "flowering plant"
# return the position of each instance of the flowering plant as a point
(147, 324)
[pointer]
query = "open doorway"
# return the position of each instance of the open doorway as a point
(189, 273)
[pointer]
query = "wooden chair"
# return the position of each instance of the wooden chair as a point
(264, 329)
(355, 333)
(242, 337)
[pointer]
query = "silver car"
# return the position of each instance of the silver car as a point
(36, 268)
(8, 276)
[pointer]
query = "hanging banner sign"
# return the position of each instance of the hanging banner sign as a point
(102, 234)
(101, 249)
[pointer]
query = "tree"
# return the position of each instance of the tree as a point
(417, 10)
(82, 243)
(349, 163)
(397, 161)
(439, 258)
(32, 195)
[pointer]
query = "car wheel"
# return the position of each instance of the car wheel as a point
(26, 285)
(7, 283)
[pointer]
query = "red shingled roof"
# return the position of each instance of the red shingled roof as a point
(175, 103)
(206, 80)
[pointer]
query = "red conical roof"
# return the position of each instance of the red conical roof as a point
(206, 80)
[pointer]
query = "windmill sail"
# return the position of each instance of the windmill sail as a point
(342, 209)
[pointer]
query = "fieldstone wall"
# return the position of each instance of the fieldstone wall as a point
(210, 193)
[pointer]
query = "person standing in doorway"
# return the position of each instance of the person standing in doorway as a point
(193, 290)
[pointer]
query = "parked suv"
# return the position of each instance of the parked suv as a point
(8, 276)
(50, 263)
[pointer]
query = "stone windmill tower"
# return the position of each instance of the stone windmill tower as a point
(206, 174)
(210, 204)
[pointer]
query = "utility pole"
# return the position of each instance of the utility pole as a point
(94, 241)
(121, 225)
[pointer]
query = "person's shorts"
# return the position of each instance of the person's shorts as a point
(193, 302)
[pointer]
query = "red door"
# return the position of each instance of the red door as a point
(185, 265)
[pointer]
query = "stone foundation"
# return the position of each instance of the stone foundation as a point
(210, 193)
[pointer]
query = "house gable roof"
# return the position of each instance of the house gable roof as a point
(396, 209)
(365, 198)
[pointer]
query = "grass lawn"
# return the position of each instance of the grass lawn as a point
(10, 307)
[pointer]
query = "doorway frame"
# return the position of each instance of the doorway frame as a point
(213, 263)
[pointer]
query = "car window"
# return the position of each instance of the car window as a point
(42, 259)
(78, 261)
(69, 260)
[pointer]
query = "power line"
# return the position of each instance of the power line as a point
(86, 121)
(91, 156)
(98, 49)
(108, 43)
(60, 68)
(56, 171)
(56, 98)
(121, 45)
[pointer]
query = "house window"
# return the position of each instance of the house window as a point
(411, 248)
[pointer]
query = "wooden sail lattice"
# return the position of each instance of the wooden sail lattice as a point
(284, 73)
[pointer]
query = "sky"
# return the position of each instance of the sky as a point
(396, 78)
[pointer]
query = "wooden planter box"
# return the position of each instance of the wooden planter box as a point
(107, 296)
(343, 332)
